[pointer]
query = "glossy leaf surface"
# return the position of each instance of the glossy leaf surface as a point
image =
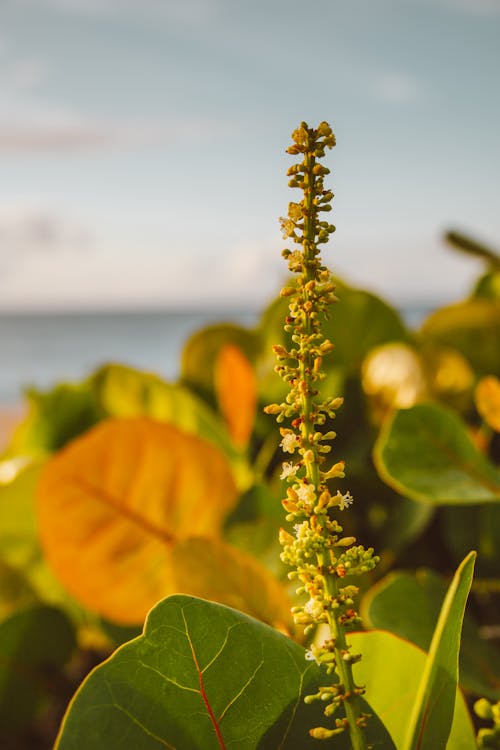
(426, 453)
(432, 714)
(202, 677)
(408, 605)
(390, 669)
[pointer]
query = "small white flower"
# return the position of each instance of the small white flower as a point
(306, 493)
(345, 500)
(289, 470)
(290, 442)
(313, 608)
(301, 529)
(310, 656)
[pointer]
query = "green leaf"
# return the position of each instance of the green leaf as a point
(54, 418)
(408, 605)
(426, 453)
(473, 328)
(432, 715)
(358, 323)
(33, 644)
(390, 670)
(202, 677)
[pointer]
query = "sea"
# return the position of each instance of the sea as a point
(43, 348)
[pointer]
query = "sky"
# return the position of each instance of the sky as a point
(142, 145)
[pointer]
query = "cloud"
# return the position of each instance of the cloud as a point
(32, 138)
(35, 128)
(28, 232)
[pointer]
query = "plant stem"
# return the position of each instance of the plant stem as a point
(318, 553)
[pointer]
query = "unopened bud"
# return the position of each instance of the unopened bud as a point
(346, 541)
(322, 733)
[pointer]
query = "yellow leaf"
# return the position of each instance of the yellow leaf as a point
(236, 390)
(114, 503)
(487, 398)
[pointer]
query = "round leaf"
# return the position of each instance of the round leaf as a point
(203, 677)
(358, 323)
(113, 504)
(426, 453)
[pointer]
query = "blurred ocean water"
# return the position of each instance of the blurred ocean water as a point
(41, 349)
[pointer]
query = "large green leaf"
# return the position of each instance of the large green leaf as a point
(408, 605)
(432, 714)
(358, 323)
(33, 643)
(202, 677)
(473, 328)
(426, 453)
(390, 669)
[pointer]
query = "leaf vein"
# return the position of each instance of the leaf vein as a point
(242, 690)
(141, 726)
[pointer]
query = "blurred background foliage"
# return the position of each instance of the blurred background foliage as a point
(126, 488)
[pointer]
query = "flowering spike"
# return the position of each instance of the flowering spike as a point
(315, 548)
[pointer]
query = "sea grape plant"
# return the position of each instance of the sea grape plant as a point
(117, 497)
(319, 555)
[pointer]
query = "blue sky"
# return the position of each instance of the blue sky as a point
(142, 145)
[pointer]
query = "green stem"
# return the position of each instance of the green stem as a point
(352, 703)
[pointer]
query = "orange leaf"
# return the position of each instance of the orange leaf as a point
(113, 504)
(487, 397)
(236, 390)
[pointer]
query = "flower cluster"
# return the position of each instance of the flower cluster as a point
(319, 555)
